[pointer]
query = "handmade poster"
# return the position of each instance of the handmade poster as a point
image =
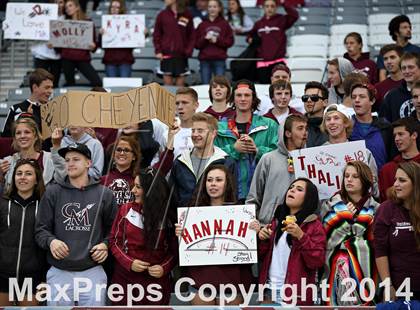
(217, 235)
(123, 31)
(29, 21)
(108, 110)
(324, 165)
(71, 34)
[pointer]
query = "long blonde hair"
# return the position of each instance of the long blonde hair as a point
(30, 123)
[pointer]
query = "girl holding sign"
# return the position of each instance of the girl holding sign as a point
(117, 61)
(348, 221)
(213, 37)
(79, 59)
(141, 241)
(216, 189)
(292, 247)
(397, 235)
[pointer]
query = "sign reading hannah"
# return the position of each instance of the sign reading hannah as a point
(217, 235)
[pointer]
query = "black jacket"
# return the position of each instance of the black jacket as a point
(315, 136)
(20, 256)
(15, 111)
(397, 103)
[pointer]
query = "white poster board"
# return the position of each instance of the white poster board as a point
(126, 31)
(324, 165)
(71, 34)
(29, 21)
(217, 235)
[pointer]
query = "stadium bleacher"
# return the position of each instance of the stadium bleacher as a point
(317, 36)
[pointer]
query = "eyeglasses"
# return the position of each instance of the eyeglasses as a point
(314, 98)
(123, 150)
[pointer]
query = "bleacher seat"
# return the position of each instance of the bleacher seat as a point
(352, 11)
(383, 3)
(347, 19)
(379, 39)
(18, 94)
(309, 40)
(307, 64)
(326, 11)
(145, 64)
(353, 3)
(313, 29)
(410, 9)
(385, 10)
(314, 51)
(309, 20)
(381, 18)
(240, 41)
(303, 76)
(98, 65)
(318, 3)
(346, 28)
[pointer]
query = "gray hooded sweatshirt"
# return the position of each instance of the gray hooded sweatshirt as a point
(344, 67)
(80, 217)
(271, 181)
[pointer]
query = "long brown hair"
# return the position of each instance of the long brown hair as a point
(412, 169)
(80, 14)
(39, 188)
(202, 198)
(365, 176)
(135, 147)
(30, 123)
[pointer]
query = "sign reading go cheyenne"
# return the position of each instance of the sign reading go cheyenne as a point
(324, 165)
(217, 235)
(108, 110)
(71, 34)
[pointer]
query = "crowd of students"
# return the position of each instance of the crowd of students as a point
(101, 203)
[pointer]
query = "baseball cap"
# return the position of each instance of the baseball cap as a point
(75, 147)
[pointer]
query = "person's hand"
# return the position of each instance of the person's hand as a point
(92, 46)
(159, 56)
(213, 39)
(249, 40)
(392, 294)
(249, 144)
(91, 132)
(294, 230)
(50, 46)
(351, 208)
(208, 36)
(156, 271)
(102, 31)
(56, 137)
(173, 130)
(265, 232)
(99, 252)
(178, 230)
(139, 265)
(4, 166)
(255, 225)
(59, 249)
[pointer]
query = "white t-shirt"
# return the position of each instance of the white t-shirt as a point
(279, 261)
(182, 141)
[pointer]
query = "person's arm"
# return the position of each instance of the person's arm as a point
(382, 75)
(200, 38)
(158, 34)
(292, 15)
(116, 242)
(45, 220)
(256, 191)
(225, 39)
(97, 160)
(191, 38)
(7, 129)
(248, 24)
(271, 140)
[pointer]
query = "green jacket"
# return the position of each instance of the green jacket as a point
(264, 132)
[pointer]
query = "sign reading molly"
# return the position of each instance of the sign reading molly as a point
(217, 235)
(29, 21)
(108, 110)
(324, 165)
(123, 31)
(71, 34)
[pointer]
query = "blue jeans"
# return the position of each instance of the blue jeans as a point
(123, 70)
(209, 67)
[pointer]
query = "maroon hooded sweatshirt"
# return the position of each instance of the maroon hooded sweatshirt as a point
(272, 32)
(173, 35)
(76, 54)
(306, 257)
(387, 173)
(365, 64)
(214, 51)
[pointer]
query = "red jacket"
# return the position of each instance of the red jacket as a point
(306, 256)
(214, 51)
(272, 32)
(365, 64)
(128, 242)
(174, 35)
(76, 54)
(271, 115)
(387, 174)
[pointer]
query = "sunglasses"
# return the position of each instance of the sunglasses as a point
(314, 98)
(122, 150)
